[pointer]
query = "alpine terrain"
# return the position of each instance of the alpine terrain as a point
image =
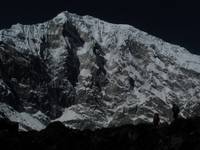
(91, 74)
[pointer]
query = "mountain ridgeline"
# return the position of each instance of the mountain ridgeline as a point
(91, 74)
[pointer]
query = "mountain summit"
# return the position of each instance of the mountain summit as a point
(90, 74)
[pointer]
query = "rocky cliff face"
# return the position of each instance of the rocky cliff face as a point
(88, 73)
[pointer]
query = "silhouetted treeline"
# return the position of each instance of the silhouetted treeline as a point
(181, 134)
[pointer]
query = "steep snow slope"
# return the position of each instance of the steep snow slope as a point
(88, 73)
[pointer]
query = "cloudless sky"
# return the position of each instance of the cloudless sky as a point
(176, 21)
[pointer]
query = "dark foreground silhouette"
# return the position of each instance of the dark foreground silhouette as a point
(182, 134)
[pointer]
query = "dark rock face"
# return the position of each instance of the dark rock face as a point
(182, 134)
(99, 75)
(72, 63)
(31, 83)
(25, 76)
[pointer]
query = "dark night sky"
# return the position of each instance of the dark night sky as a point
(176, 21)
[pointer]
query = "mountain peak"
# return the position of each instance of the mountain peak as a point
(89, 73)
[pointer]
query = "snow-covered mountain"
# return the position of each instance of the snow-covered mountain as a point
(88, 73)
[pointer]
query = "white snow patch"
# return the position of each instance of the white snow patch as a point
(83, 50)
(29, 121)
(68, 115)
(85, 73)
(23, 118)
